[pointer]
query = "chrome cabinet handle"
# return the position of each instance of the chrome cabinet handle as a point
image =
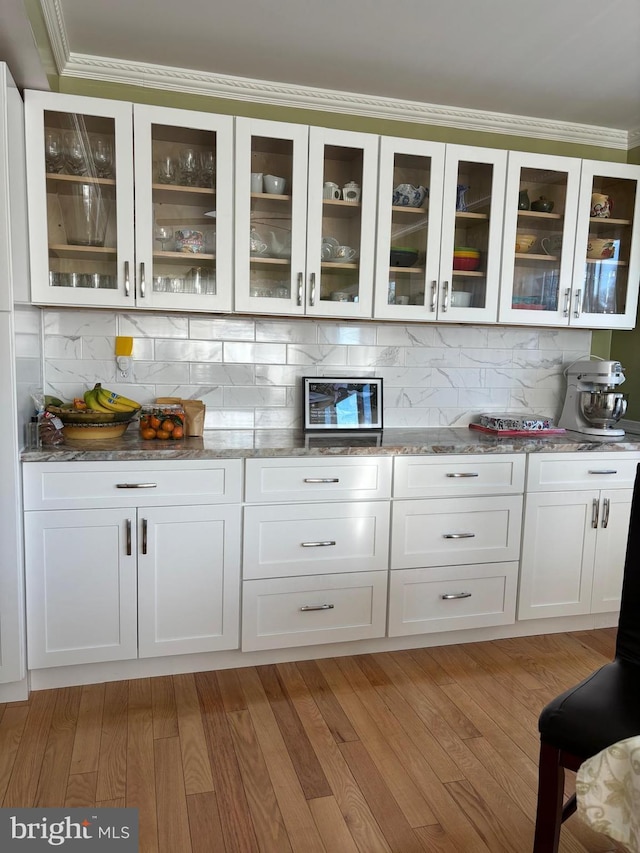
(136, 485)
(595, 511)
(299, 288)
(605, 471)
(128, 526)
(127, 280)
(576, 310)
(445, 296)
(458, 535)
(434, 290)
(464, 474)
(606, 507)
(321, 480)
(318, 544)
(565, 310)
(449, 596)
(144, 535)
(143, 283)
(306, 607)
(312, 289)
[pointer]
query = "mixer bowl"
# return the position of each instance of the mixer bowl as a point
(603, 409)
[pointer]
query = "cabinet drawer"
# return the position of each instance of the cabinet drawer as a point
(69, 485)
(310, 539)
(451, 531)
(422, 601)
(581, 471)
(435, 476)
(284, 612)
(324, 479)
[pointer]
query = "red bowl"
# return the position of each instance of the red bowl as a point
(466, 264)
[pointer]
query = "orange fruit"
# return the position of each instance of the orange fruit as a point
(178, 432)
(162, 434)
(167, 425)
(147, 433)
(154, 422)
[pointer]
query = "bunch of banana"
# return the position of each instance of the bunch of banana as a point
(99, 399)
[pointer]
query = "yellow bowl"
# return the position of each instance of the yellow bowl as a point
(93, 432)
(525, 242)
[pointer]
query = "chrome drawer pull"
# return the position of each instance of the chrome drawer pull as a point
(136, 485)
(128, 526)
(321, 479)
(458, 535)
(605, 471)
(307, 607)
(595, 510)
(606, 506)
(462, 475)
(451, 595)
(318, 544)
(144, 535)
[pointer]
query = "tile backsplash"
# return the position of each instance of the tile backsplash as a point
(247, 369)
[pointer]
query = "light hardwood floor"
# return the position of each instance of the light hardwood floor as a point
(423, 750)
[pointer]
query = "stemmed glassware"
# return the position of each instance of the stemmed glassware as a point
(208, 169)
(163, 233)
(188, 167)
(102, 155)
(75, 153)
(53, 151)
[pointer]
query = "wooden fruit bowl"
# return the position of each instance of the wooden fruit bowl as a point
(78, 416)
(94, 432)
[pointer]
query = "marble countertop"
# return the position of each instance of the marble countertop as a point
(228, 444)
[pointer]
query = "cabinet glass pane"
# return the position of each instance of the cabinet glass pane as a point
(341, 224)
(81, 200)
(270, 231)
(606, 264)
(471, 244)
(183, 187)
(539, 239)
(409, 195)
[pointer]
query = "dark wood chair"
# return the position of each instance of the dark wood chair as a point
(599, 711)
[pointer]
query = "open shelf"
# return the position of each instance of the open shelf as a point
(183, 257)
(53, 177)
(534, 214)
(528, 256)
(406, 270)
(88, 253)
(601, 220)
(470, 273)
(403, 208)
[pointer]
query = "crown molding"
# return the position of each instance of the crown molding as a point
(167, 78)
(633, 138)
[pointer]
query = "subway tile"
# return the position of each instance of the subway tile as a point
(27, 345)
(343, 333)
(405, 336)
(97, 347)
(245, 397)
(221, 329)
(506, 338)
(400, 376)
(316, 354)
(537, 359)
(460, 336)
(153, 326)
(82, 370)
(255, 353)
(62, 346)
(432, 356)
(283, 331)
(376, 356)
(150, 371)
(27, 319)
(77, 322)
(278, 419)
(451, 377)
(486, 357)
(221, 374)
(227, 419)
(206, 351)
(281, 374)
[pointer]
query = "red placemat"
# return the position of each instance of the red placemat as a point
(518, 432)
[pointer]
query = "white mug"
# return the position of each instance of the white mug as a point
(345, 253)
(256, 182)
(331, 191)
(351, 192)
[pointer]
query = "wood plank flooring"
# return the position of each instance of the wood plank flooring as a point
(423, 750)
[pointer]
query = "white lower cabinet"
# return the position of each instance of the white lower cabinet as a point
(126, 581)
(455, 542)
(423, 601)
(575, 533)
(303, 611)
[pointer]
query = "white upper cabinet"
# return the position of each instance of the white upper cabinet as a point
(87, 247)
(439, 231)
(305, 219)
(541, 207)
(606, 267)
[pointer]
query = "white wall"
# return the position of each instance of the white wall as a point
(248, 369)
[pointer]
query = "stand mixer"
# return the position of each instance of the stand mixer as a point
(592, 404)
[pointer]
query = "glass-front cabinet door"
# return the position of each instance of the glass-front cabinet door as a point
(541, 207)
(305, 219)
(606, 268)
(439, 231)
(80, 195)
(183, 206)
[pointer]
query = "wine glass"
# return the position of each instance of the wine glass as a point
(166, 170)
(207, 169)
(53, 151)
(102, 154)
(75, 153)
(163, 233)
(189, 166)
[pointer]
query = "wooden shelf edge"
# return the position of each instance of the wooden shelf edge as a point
(534, 214)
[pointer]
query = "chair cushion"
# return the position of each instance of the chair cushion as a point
(599, 711)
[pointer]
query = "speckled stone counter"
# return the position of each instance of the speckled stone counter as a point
(220, 444)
